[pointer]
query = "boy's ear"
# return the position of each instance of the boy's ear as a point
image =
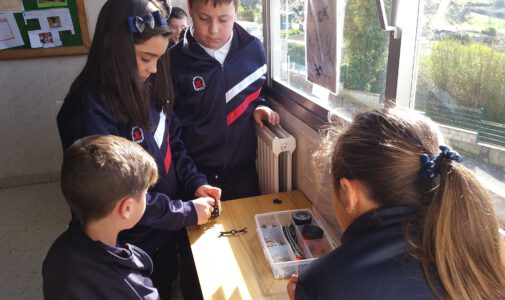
(125, 207)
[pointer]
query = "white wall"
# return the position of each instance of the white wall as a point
(31, 92)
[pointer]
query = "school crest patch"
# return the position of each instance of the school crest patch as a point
(198, 83)
(137, 135)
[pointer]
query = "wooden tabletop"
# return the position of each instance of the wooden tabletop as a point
(235, 267)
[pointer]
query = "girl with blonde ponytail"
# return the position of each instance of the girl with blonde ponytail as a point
(417, 224)
(461, 239)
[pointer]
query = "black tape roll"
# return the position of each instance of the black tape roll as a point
(312, 232)
(302, 217)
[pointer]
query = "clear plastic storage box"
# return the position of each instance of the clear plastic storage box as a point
(274, 230)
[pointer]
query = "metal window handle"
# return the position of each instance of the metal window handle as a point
(383, 20)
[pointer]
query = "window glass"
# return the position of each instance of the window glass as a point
(461, 83)
(361, 55)
(250, 16)
(183, 4)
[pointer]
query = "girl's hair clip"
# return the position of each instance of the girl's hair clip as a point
(138, 24)
(429, 163)
(447, 152)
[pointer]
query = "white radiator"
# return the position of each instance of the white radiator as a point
(274, 159)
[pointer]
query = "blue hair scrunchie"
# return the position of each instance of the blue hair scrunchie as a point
(429, 163)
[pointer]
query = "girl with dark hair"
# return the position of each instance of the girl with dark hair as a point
(416, 222)
(125, 89)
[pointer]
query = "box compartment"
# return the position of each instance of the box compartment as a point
(277, 248)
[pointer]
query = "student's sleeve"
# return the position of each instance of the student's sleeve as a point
(76, 121)
(165, 213)
(185, 168)
(82, 117)
(262, 99)
(308, 284)
(302, 292)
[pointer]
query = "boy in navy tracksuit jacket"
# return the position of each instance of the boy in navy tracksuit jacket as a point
(104, 180)
(218, 76)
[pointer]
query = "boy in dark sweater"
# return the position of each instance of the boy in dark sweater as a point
(218, 72)
(104, 180)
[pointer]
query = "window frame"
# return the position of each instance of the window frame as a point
(401, 73)
(315, 115)
(300, 106)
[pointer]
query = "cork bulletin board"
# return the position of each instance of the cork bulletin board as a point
(44, 28)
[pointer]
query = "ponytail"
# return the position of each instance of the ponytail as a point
(455, 235)
(461, 238)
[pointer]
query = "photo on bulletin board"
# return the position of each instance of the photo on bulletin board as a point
(44, 28)
(11, 5)
(52, 3)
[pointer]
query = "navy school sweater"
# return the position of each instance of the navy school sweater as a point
(215, 102)
(82, 115)
(371, 263)
(77, 267)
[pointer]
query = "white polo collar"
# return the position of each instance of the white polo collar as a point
(219, 54)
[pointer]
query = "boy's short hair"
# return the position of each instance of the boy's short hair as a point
(217, 2)
(177, 13)
(98, 171)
